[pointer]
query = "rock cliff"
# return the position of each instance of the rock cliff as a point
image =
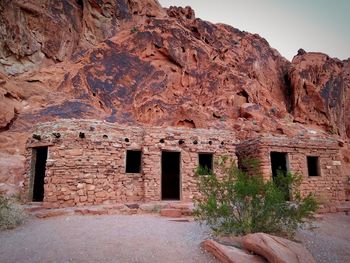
(134, 62)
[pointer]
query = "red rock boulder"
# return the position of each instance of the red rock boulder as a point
(277, 249)
(229, 254)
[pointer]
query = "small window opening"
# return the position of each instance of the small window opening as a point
(126, 139)
(195, 142)
(205, 160)
(313, 166)
(105, 136)
(210, 142)
(56, 134)
(161, 140)
(181, 141)
(37, 137)
(81, 135)
(133, 161)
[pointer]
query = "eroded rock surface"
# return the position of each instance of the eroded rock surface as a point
(276, 249)
(133, 62)
(230, 254)
(37, 33)
(320, 92)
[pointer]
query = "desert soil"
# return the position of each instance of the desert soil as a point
(113, 238)
(329, 240)
(145, 238)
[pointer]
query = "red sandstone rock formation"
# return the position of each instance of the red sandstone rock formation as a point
(135, 62)
(320, 94)
(230, 254)
(277, 249)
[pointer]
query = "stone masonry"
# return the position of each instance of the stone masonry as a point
(328, 187)
(86, 163)
(91, 170)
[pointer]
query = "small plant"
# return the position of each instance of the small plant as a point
(134, 29)
(156, 209)
(241, 203)
(273, 110)
(332, 130)
(223, 118)
(202, 170)
(11, 215)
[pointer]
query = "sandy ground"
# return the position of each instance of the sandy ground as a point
(329, 241)
(144, 238)
(113, 238)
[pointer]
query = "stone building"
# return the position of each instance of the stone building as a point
(316, 159)
(87, 162)
(73, 163)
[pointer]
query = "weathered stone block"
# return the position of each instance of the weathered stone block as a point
(170, 212)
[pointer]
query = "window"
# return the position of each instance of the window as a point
(133, 161)
(205, 160)
(313, 166)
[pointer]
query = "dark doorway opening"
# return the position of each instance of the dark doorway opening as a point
(313, 166)
(279, 165)
(133, 161)
(170, 176)
(205, 161)
(39, 164)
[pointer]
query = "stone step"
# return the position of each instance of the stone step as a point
(53, 213)
(171, 212)
(186, 208)
(344, 207)
(167, 209)
(33, 207)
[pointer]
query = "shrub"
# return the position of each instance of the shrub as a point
(202, 170)
(11, 215)
(134, 29)
(241, 203)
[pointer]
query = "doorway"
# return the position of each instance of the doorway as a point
(38, 173)
(170, 176)
(278, 163)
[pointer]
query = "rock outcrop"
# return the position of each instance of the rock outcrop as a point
(133, 62)
(230, 254)
(35, 34)
(320, 92)
(276, 249)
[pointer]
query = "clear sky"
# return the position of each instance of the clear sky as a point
(314, 25)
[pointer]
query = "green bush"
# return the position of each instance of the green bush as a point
(202, 170)
(11, 215)
(241, 203)
(134, 29)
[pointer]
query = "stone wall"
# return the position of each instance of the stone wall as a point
(328, 187)
(91, 170)
(220, 143)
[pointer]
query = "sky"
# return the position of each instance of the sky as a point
(314, 25)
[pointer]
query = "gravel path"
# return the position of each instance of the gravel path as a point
(329, 241)
(145, 238)
(113, 238)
